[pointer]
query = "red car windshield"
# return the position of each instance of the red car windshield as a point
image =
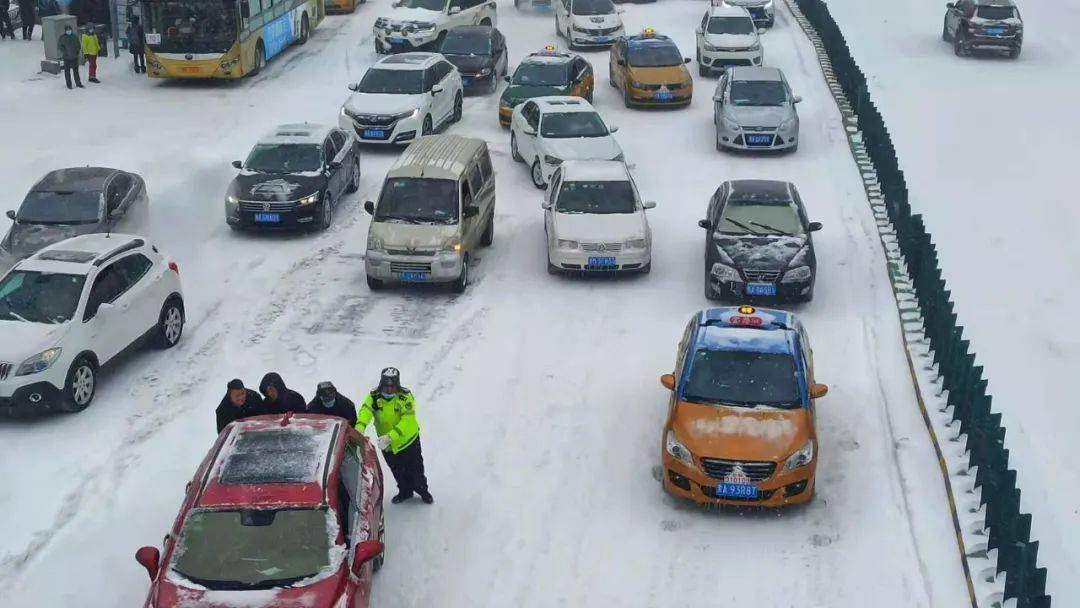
(255, 549)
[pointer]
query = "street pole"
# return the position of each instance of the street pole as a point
(114, 15)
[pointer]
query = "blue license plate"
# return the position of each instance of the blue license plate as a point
(396, 40)
(760, 289)
(374, 133)
(759, 140)
(736, 490)
(663, 96)
(995, 31)
(602, 39)
(602, 262)
(268, 218)
(411, 276)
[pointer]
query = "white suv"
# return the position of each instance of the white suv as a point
(403, 97)
(588, 23)
(422, 24)
(73, 306)
(595, 221)
(727, 36)
(545, 131)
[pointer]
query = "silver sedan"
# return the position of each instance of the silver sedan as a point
(754, 109)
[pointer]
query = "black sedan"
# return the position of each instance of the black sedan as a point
(758, 243)
(71, 202)
(293, 178)
(479, 53)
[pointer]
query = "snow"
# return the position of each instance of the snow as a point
(746, 426)
(987, 148)
(538, 396)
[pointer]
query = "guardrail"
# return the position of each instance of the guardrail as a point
(961, 387)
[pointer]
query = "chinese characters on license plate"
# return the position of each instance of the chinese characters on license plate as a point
(663, 96)
(736, 490)
(265, 218)
(374, 133)
(412, 276)
(608, 262)
(759, 139)
(760, 289)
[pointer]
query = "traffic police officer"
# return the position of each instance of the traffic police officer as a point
(394, 410)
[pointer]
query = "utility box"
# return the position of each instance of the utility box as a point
(51, 30)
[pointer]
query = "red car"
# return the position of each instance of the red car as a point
(284, 512)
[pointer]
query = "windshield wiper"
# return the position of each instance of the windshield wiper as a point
(743, 226)
(399, 218)
(768, 227)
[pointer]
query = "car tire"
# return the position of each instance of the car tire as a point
(170, 326)
(514, 154)
(80, 386)
(1014, 52)
(485, 21)
(305, 31)
(380, 559)
(354, 183)
(958, 43)
(945, 31)
(426, 128)
(647, 268)
(457, 109)
(536, 173)
(552, 269)
(437, 44)
(326, 217)
(260, 59)
(488, 237)
(626, 98)
(374, 284)
(462, 281)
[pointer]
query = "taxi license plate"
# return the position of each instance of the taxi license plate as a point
(759, 140)
(663, 96)
(760, 289)
(191, 70)
(374, 133)
(268, 218)
(736, 490)
(602, 262)
(411, 277)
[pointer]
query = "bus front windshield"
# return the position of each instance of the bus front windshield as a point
(191, 26)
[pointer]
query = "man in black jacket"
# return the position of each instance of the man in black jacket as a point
(238, 403)
(278, 398)
(6, 29)
(70, 51)
(28, 17)
(331, 403)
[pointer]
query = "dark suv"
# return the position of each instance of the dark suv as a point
(983, 25)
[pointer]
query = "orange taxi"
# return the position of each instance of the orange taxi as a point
(650, 71)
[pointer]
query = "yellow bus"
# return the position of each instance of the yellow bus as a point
(223, 38)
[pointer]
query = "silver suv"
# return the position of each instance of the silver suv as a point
(762, 11)
(754, 109)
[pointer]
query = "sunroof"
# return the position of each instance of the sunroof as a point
(285, 455)
(62, 255)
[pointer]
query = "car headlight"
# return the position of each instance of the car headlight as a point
(410, 114)
(39, 362)
(552, 160)
(423, 27)
(636, 243)
(452, 246)
(787, 124)
(708, 47)
(567, 244)
(230, 199)
(678, 451)
(484, 71)
(801, 458)
(310, 199)
(374, 243)
(724, 273)
(637, 85)
(579, 29)
(731, 124)
(756, 47)
(802, 273)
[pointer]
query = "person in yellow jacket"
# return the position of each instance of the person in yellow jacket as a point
(393, 408)
(91, 46)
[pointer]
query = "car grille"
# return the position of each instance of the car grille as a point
(5, 369)
(265, 206)
(762, 496)
(409, 267)
(756, 471)
(411, 251)
(603, 31)
(656, 87)
(601, 246)
(762, 276)
(760, 129)
(371, 120)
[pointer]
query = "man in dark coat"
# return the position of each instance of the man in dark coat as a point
(332, 403)
(28, 17)
(278, 398)
(70, 49)
(238, 403)
(136, 37)
(6, 29)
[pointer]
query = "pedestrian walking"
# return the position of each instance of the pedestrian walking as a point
(28, 17)
(91, 46)
(238, 403)
(393, 408)
(136, 36)
(6, 28)
(330, 402)
(70, 48)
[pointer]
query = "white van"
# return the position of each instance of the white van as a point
(437, 206)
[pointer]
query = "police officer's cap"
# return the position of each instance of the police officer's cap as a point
(391, 377)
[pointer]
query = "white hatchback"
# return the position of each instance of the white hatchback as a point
(727, 36)
(72, 307)
(588, 23)
(545, 131)
(595, 221)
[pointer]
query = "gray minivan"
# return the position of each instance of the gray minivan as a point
(437, 206)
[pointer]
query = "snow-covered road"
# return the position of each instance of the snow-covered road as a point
(539, 397)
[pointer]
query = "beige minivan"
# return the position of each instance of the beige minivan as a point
(437, 206)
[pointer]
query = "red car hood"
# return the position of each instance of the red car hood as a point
(321, 594)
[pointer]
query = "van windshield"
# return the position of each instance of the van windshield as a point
(418, 200)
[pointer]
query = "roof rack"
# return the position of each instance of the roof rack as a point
(132, 244)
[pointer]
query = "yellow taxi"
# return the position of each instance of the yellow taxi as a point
(548, 72)
(342, 6)
(650, 70)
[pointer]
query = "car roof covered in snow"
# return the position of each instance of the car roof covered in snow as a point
(764, 190)
(298, 133)
(594, 170)
(78, 254)
(722, 10)
(995, 3)
(408, 61)
(745, 329)
(437, 157)
(273, 460)
(563, 103)
(742, 72)
(75, 179)
(548, 57)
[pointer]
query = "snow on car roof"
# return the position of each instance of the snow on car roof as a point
(436, 157)
(66, 255)
(764, 190)
(563, 103)
(75, 179)
(263, 454)
(755, 73)
(720, 10)
(302, 133)
(543, 57)
(408, 61)
(594, 170)
(730, 328)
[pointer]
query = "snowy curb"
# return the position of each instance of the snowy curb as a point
(985, 585)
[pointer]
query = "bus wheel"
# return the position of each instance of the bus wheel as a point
(303, 30)
(260, 59)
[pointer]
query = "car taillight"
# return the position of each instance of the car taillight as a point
(173, 267)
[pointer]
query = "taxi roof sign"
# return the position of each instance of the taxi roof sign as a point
(745, 316)
(648, 32)
(548, 49)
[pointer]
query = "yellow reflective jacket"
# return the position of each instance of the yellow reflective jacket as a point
(90, 44)
(395, 418)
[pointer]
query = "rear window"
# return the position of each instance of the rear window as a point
(273, 456)
(995, 13)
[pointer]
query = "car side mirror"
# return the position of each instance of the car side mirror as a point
(620, 62)
(718, 98)
(705, 224)
(817, 391)
(454, 10)
(796, 99)
(436, 89)
(364, 553)
(761, 30)
(11, 215)
(649, 205)
(668, 381)
(506, 78)
(354, 87)
(105, 309)
(528, 130)
(238, 164)
(620, 10)
(472, 211)
(369, 207)
(814, 226)
(150, 558)
(546, 206)
(950, 5)
(686, 60)
(333, 165)
(612, 128)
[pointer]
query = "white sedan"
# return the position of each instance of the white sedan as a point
(595, 220)
(545, 131)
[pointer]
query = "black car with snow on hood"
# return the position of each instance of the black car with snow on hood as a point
(293, 178)
(758, 243)
(479, 53)
(71, 202)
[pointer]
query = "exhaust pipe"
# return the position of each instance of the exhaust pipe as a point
(35, 397)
